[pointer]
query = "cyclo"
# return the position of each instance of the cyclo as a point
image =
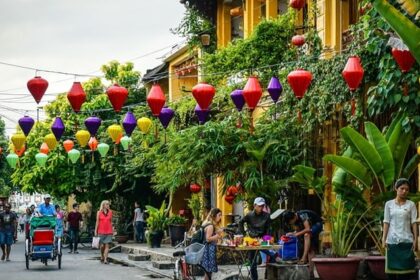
(42, 243)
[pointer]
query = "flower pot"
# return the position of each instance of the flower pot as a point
(121, 238)
(376, 266)
(156, 238)
(333, 268)
(177, 233)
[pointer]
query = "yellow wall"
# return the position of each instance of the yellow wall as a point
(177, 84)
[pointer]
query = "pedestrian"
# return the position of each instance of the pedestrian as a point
(212, 232)
(59, 227)
(307, 224)
(22, 222)
(103, 229)
(400, 233)
(258, 225)
(46, 208)
(74, 223)
(32, 208)
(8, 231)
(138, 223)
(27, 219)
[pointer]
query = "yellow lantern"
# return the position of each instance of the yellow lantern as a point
(51, 141)
(83, 137)
(18, 140)
(144, 124)
(115, 131)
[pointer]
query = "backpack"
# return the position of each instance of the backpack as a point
(198, 236)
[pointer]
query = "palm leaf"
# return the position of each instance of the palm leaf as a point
(395, 121)
(376, 138)
(401, 151)
(353, 167)
(366, 150)
(339, 175)
(411, 166)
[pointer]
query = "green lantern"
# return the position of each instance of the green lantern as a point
(125, 142)
(12, 160)
(103, 149)
(41, 159)
(74, 155)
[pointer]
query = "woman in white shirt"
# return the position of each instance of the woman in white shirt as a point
(400, 233)
(138, 223)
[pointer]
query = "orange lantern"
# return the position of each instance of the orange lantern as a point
(20, 151)
(44, 149)
(93, 144)
(68, 145)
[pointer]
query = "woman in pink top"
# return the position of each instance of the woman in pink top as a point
(104, 229)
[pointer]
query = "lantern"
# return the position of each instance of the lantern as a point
(117, 96)
(76, 96)
(299, 80)
(114, 132)
(51, 141)
(41, 159)
(68, 145)
(252, 92)
(12, 160)
(404, 59)
(165, 116)
(298, 40)
(353, 72)
(156, 99)
(44, 148)
(129, 123)
(297, 4)
(103, 149)
(238, 99)
(92, 125)
(1, 150)
(229, 199)
(144, 124)
(274, 89)
(232, 190)
(11, 148)
(74, 155)
(203, 94)
(82, 137)
(195, 188)
(26, 123)
(93, 144)
(18, 140)
(20, 151)
(125, 142)
(58, 128)
(37, 87)
(201, 114)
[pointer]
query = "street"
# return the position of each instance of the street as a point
(83, 266)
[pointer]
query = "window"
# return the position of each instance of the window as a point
(237, 19)
(282, 6)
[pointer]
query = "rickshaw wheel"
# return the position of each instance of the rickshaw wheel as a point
(59, 261)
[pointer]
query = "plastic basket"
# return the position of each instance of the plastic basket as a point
(194, 253)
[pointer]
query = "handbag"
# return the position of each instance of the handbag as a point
(289, 249)
(95, 242)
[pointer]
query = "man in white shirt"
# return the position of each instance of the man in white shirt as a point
(138, 223)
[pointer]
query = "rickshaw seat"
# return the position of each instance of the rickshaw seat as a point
(43, 237)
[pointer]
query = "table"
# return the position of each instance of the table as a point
(243, 253)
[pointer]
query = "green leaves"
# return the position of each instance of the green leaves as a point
(353, 167)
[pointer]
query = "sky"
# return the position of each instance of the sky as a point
(76, 36)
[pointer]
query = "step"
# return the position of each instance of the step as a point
(163, 265)
(138, 258)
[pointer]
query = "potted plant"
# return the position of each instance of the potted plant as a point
(122, 234)
(176, 229)
(156, 223)
(196, 206)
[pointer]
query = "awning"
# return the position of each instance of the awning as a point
(157, 73)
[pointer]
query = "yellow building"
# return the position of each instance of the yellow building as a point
(237, 19)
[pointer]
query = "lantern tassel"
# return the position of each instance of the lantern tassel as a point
(156, 133)
(83, 157)
(353, 106)
(115, 150)
(251, 123)
(165, 136)
(93, 158)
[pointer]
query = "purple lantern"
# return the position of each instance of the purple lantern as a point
(165, 116)
(92, 124)
(129, 123)
(201, 114)
(26, 123)
(58, 128)
(274, 89)
(238, 99)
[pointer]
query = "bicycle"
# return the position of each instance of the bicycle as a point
(187, 265)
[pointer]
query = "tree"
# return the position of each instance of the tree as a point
(5, 185)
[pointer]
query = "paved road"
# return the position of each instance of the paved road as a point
(84, 266)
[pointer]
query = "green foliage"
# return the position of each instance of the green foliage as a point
(157, 219)
(196, 206)
(5, 171)
(176, 220)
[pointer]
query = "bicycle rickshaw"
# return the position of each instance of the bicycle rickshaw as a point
(42, 244)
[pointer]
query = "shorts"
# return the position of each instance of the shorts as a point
(315, 231)
(6, 237)
(105, 238)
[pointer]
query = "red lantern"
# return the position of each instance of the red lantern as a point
(117, 96)
(203, 94)
(68, 145)
(252, 92)
(37, 87)
(156, 99)
(298, 40)
(299, 80)
(76, 96)
(404, 59)
(195, 188)
(232, 190)
(229, 199)
(353, 72)
(297, 4)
